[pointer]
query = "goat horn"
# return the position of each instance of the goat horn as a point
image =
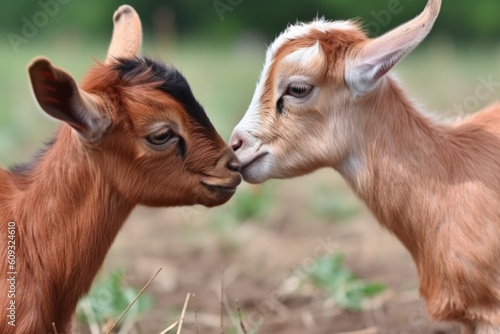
(127, 34)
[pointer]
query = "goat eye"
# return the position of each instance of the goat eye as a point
(160, 138)
(299, 90)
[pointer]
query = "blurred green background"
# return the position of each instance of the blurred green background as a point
(226, 19)
(219, 45)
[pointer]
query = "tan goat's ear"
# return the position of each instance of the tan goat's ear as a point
(59, 96)
(375, 58)
(127, 34)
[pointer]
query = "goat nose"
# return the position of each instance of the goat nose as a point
(236, 142)
(234, 165)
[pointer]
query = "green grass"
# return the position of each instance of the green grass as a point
(344, 288)
(109, 298)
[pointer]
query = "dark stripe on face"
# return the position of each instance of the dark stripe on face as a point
(280, 105)
(172, 82)
(181, 148)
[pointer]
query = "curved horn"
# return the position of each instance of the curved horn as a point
(127, 34)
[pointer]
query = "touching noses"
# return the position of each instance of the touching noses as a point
(237, 140)
(233, 164)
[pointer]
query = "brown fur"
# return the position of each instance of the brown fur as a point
(70, 206)
(70, 203)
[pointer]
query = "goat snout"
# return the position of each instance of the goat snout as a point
(234, 165)
(243, 140)
(228, 162)
(236, 141)
(246, 147)
(223, 180)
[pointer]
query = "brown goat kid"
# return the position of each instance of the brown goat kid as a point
(133, 134)
(325, 99)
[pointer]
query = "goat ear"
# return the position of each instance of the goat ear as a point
(127, 34)
(372, 60)
(59, 96)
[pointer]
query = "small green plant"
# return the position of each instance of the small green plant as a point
(344, 288)
(107, 300)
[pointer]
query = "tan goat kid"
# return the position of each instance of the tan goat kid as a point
(325, 99)
(133, 134)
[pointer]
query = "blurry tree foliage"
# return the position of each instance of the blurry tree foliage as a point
(227, 19)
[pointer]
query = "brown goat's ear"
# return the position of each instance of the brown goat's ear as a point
(375, 58)
(127, 34)
(59, 96)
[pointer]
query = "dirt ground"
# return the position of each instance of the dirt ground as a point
(258, 262)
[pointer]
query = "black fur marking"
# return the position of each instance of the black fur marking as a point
(172, 82)
(22, 169)
(181, 148)
(280, 105)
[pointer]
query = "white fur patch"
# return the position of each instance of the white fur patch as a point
(300, 30)
(304, 55)
(293, 32)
